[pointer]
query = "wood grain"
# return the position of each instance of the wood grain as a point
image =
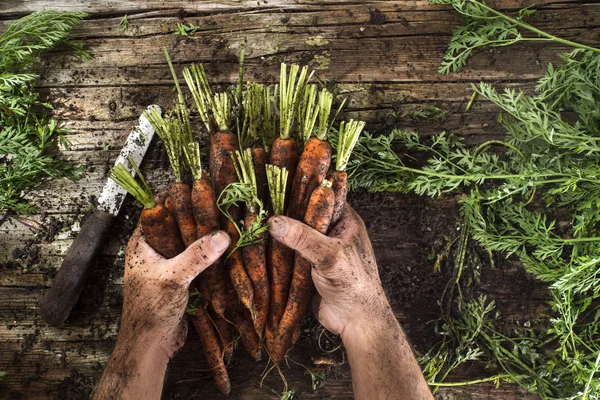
(382, 54)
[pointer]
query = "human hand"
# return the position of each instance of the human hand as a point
(156, 290)
(344, 269)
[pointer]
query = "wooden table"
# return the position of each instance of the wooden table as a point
(382, 55)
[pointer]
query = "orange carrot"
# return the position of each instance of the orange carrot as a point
(256, 265)
(169, 204)
(243, 322)
(339, 185)
(312, 169)
(224, 331)
(347, 139)
(260, 158)
(237, 273)
(158, 224)
(285, 155)
(318, 216)
(316, 157)
(181, 196)
(280, 257)
(212, 348)
(206, 215)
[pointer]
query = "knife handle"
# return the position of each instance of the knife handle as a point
(68, 284)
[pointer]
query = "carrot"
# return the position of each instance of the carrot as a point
(261, 159)
(224, 331)
(181, 196)
(254, 252)
(206, 217)
(284, 154)
(256, 264)
(237, 273)
(314, 161)
(169, 204)
(158, 224)
(243, 322)
(318, 216)
(280, 257)
(212, 349)
(347, 139)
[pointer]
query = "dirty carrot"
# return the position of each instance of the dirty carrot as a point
(212, 348)
(347, 139)
(244, 324)
(314, 162)
(318, 216)
(254, 253)
(284, 152)
(224, 331)
(280, 257)
(169, 129)
(206, 216)
(237, 272)
(158, 224)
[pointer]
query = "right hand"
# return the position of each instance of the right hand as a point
(344, 269)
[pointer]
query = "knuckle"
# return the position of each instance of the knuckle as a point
(300, 238)
(200, 254)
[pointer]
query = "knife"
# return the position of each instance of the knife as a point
(59, 300)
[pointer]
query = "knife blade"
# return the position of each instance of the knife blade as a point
(59, 300)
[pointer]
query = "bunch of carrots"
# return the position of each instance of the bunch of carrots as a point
(279, 162)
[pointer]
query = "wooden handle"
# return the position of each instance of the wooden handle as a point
(60, 299)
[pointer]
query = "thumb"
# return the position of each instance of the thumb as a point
(199, 255)
(311, 244)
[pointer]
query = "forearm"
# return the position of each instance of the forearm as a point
(381, 361)
(135, 370)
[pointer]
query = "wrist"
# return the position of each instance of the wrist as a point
(140, 346)
(374, 323)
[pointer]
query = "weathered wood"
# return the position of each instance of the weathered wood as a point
(383, 54)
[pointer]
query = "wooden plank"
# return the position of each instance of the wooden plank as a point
(383, 54)
(104, 7)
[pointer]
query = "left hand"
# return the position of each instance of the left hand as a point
(156, 290)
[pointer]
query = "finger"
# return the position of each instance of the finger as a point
(312, 245)
(316, 306)
(161, 197)
(350, 223)
(198, 256)
(134, 239)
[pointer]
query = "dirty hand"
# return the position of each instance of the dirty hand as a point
(156, 289)
(344, 269)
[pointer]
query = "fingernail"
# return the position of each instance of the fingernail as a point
(219, 241)
(278, 227)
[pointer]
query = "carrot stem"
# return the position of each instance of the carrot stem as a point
(290, 90)
(141, 192)
(277, 179)
(308, 112)
(347, 138)
(170, 130)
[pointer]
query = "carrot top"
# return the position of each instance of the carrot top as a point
(290, 91)
(211, 106)
(277, 179)
(259, 123)
(325, 120)
(191, 151)
(139, 190)
(171, 130)
(308, 111)
(197, 82)
(244, 191)
(347, 139)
